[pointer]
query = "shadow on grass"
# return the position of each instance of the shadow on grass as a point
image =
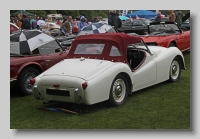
(88, 109)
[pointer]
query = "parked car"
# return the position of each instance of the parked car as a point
(138, 26)
(13, 28)
(107, 66)
(167, 34)
(184, 26)
(24, 66)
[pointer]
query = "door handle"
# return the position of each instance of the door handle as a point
(47, 60)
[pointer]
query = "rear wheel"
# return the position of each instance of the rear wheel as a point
(118, 91)
(175, 70)
(172, 44)
(23, 82)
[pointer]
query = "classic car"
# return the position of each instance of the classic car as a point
(24, 66)
(107, 67)
(167, 34)
(138, 26)
(13, 28)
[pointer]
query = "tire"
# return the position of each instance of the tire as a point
(118, 97)
(23, 82)
(171, 44)
(175, 70)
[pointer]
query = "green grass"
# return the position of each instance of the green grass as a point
(163, 106)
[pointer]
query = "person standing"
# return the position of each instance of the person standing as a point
(179, 16)
(82, 23)
(67, 26)
(112, 18)
(19, 24)
(40, 23)
(158, 17)
(33, 23)
(172, 16)
(26, 23)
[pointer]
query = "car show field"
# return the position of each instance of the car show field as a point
(163, 106)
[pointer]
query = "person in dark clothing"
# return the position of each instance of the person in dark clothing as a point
(113, 18)
(158, 18)
(119, 22)
(26, 23)
(179, 16)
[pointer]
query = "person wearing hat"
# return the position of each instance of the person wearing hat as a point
(82, 23)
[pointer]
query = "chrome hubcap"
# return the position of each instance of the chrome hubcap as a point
(27, 79)
(119, 89)
(175, 70)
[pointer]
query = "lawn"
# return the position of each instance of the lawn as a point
(163, 106)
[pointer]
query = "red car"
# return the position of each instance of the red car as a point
(167, 34)
(75, 27)
(25, 67)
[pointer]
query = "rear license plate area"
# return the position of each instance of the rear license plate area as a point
(56, 92)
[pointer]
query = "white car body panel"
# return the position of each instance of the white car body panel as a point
(99, 75)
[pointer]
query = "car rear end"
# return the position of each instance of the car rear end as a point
(61, 88)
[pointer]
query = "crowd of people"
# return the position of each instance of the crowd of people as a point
(174, 16)
(32, 22)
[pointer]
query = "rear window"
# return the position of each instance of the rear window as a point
(95, 49)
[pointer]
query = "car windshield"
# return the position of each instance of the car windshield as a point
(140, 45)
(89, 48)
(163, 28)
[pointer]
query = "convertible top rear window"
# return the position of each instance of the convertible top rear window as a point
(95, 49)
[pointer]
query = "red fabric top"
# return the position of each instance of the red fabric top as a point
(119, 40)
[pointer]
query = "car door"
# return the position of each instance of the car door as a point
(52, 53)
(145, 75)
(182, 40)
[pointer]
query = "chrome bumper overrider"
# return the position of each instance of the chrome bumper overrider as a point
(77, 97)
(36, 93)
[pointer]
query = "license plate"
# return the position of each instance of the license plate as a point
(57, 92)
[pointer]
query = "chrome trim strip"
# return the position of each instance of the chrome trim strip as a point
(13, 80)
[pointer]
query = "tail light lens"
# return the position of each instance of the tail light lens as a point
(32, 81)
(56, 85)
(84, 85)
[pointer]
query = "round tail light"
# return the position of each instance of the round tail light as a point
(84, 85)
(56, 85)
(32, 81)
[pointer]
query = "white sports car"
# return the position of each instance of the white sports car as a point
(107, 66)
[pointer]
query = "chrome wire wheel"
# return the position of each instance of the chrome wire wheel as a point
(28, 76)
(119, 90)
(175, 70)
